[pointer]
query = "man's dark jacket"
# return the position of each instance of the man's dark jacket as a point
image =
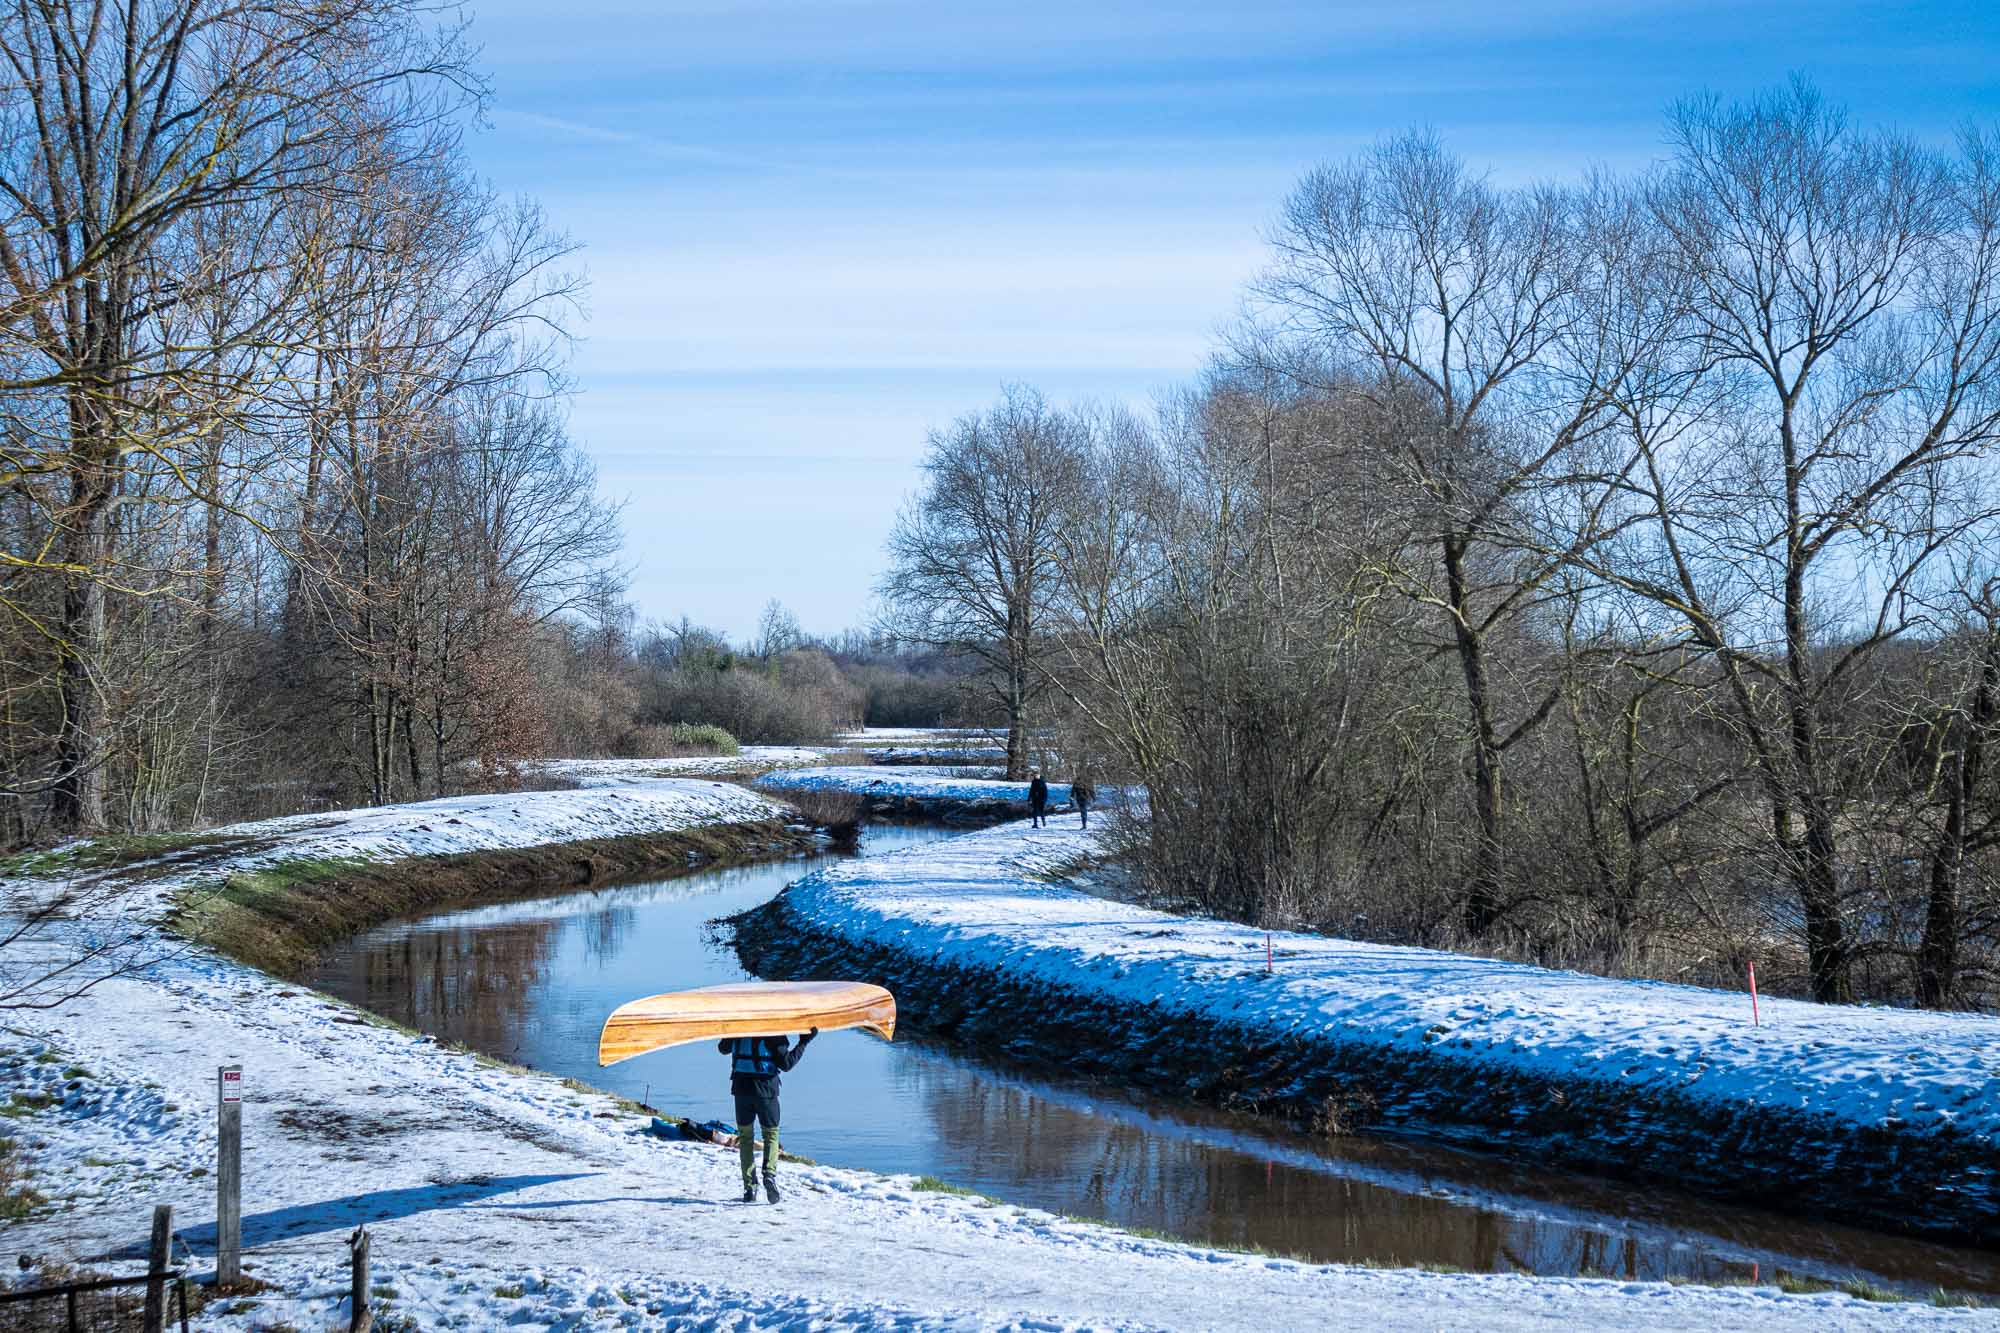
(768, 1054)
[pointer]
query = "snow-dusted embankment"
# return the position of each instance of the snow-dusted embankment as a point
(926, 793)
(1888, 1117)
(273, 891)
(499, 1197)
(749, 761)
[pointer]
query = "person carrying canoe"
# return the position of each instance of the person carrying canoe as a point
(1081, 793)
(1038, 798)
(754, 1066)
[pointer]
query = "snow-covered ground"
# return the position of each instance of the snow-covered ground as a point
(502, 1198)
(984, 901)
(915, 736)
(618, 772)
(921, 783)
(926, 745)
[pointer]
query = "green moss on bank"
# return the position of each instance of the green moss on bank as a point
(141, 855)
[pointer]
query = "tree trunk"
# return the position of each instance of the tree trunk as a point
(1017, 692)
(1017, 728)
(78, 797)
(1482, 903)
(1937, 953)
(1816, 873)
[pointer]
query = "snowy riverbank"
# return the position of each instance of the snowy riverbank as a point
(747, 762)
(923, 792)
(1888, 1117)
(501, 1197)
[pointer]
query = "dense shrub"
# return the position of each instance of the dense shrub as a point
(667, 741)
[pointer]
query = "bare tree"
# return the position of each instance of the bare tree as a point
(970, 558)
(121, 125)
(1450, 298)
(1842, 303)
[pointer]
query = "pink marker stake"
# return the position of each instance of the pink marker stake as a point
(1755, 1021)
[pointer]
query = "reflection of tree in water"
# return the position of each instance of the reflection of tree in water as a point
(1100, 1165)
(473, 985)
(603, 933)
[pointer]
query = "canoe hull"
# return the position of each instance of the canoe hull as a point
(748, 1009)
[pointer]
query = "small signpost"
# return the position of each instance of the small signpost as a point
(228, 1174)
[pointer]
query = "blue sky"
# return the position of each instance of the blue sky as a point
(815, 230)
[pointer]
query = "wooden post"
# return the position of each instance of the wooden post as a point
(228, 1175)
(158, 1252)
(364, 1317)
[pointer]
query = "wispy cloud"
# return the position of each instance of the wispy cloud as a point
(817, 227)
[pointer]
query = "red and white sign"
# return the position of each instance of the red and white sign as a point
(232, 1085)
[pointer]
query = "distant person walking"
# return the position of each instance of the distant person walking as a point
(754, 1066)
(1082, 793)
(1038, 799)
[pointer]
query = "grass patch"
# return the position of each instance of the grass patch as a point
(1956, 1300)
(27, 1103)
(932, 1185)
(17, 1200)
(1861, 1289)
(76, 1071)
(114, 852)
(510, 1291)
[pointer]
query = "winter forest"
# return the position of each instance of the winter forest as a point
(1599, 573)
(292, 517)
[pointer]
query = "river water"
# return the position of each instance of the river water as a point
(531, 981)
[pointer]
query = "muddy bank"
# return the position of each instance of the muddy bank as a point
(1934, 1184)
(281, 917)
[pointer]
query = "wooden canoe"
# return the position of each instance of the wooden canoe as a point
(744, 1009)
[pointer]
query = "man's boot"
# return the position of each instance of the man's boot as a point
(771, 1186)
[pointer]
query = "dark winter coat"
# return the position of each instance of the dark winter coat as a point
(1082, 793)
(1038, 794)
(756, 1062)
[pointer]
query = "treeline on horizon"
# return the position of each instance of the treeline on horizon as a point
(1599, 572)
(291, 516)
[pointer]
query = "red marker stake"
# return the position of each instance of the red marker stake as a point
(1755, 1021)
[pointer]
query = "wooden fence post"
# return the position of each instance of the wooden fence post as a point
(228, 1174)
(157, 1255)
(364, 1316)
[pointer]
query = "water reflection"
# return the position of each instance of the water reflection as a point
(532, 980)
